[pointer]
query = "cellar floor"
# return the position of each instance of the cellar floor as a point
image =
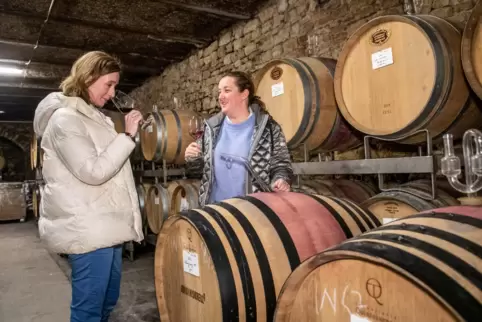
(35, 286)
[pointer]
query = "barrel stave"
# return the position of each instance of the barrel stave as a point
(421, 268)
(268, 234)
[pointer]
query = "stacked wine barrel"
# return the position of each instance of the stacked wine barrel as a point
(228, 261)
(395, 77)
(36, 153)
(119, 125)
(167, 137)
(471, 50)
(425, 267)
(299, 94)
(306, 257)
(356, 191)
(162, 201)
(409, 199)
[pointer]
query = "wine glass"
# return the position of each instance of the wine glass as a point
(124, 103)
(196, 127)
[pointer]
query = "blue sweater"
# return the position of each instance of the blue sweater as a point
(229, 173)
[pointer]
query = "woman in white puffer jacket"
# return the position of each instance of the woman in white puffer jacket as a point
(89, 205)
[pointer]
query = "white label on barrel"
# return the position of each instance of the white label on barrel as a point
(184, 205)
(356, 318)
(191, 262)
(388, 220)
(277, 89)
(156, 200)
(382, 58)
(149, 129)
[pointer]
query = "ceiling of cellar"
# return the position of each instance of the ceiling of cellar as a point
(43, 38)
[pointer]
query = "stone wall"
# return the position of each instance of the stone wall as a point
(282, 28)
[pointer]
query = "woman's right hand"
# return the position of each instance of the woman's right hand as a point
(192, 151)
(132, 120)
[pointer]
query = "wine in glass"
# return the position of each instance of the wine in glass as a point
(124, 103)
(196, 127)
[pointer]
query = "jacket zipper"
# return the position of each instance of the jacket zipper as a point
(210, 151)
(259, 132)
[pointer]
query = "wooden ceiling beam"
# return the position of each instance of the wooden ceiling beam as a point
(127, 67)
(216, 12)
(186, 39)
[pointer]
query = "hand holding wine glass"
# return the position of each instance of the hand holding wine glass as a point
(126, 105)
(196, 127)
(132, 121)
(196, 130)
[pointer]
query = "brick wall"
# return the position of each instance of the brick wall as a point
(282, 28)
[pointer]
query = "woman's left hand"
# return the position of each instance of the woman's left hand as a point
(280, 185)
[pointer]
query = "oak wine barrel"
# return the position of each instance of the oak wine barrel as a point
(157, 207)
(36, 201)
(391, 205)
(426, 267)
(167, 137)
(119, 121)
(397, 75)
(119, 125)
(142, 193)
(184, 195)
(33, 152)
(228, 261)
(354, 190)
(319, 187)
(41, 157)
(472, 50)
(299, 95)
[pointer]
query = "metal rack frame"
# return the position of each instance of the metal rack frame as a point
(164, 173)
(419, 164)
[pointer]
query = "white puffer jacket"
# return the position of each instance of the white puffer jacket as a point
(89, 200)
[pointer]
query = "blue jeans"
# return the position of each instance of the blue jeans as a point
(96, 278)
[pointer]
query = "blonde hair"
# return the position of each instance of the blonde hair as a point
(86, 70)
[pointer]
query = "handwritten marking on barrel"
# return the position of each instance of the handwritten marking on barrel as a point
(191, 263)
(374, 289)
(189, 234)
(392, 207)
(332, 299)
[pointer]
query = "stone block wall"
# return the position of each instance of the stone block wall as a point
(282, 28)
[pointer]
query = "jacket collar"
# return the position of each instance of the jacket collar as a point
(85, 109)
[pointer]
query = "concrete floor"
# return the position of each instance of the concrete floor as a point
(35, 286)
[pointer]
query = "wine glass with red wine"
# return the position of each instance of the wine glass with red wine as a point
(196, 127)
(124, 103)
